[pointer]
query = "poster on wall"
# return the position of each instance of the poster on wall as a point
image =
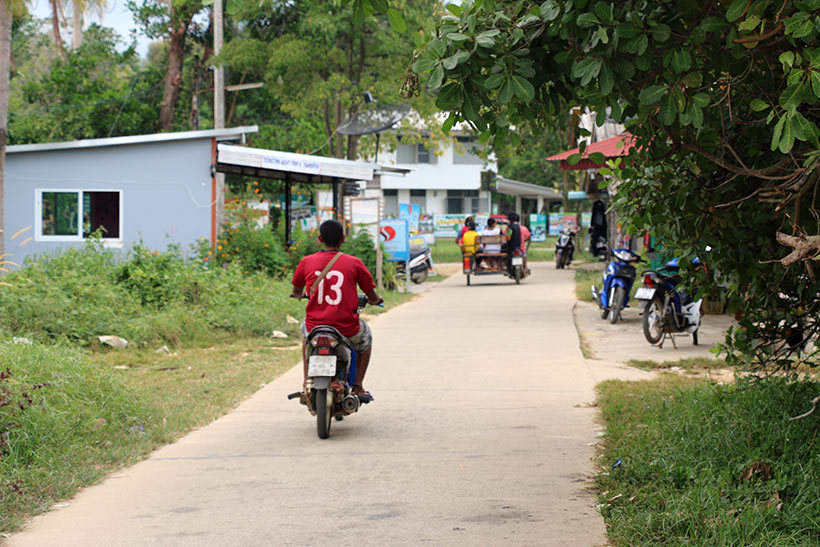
(411, 213)
(586, 220)
(395, 237)
(559, 220)
(538, 227)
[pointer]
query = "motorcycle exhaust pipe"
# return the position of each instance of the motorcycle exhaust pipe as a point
(350, 404)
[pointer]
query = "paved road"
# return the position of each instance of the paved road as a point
(481, 434)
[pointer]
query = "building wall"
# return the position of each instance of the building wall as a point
(166, 191)
(445, 172)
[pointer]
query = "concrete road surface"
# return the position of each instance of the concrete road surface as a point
(481, 434)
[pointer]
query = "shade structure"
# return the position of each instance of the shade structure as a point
(611, 148)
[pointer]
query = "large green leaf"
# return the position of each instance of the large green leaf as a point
(436, 77)
(627, 30)
(550, 10)
(494, 80)
(788, 135)
(815, 83)
(792, 96)
(456, 59)
(778, 131)
(396, 20)
(697, 116)
(606, 79)
(522, 88)
(652, 94)
(506, 93)
(423, 65)
(668, 110)
(597, 158)
(586, 20)
(736, 9)
(758, 105)
(661, 33)
(449, 96)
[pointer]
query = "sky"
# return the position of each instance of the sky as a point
(116, 16)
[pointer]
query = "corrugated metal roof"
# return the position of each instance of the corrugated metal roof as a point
(232, 132)
(526, 189)
(611, 148)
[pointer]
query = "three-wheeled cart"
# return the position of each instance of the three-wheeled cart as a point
(483, 263)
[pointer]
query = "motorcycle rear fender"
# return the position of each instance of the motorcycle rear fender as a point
(321, 382)
(692, 314)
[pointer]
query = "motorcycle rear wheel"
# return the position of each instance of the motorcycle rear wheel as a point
(653, 322)
(518, 275)
(559, 259)
(419, 278)
(695, 338)
(324, 412)
(617, 304)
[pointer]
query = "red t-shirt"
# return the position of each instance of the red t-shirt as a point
(336, 300)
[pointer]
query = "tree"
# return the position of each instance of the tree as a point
(8, 9)
(723, 99)
(322, 61)
(78, 9)
(174, 22)
(94, 92)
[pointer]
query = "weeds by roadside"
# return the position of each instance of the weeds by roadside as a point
(691, 364)
(689, 462)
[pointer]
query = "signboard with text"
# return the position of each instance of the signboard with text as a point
(538, 227)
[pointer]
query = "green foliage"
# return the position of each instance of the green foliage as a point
(73, 411)
(93, 93)
(709, 465)
(723, 100)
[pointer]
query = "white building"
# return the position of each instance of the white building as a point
(442, 181)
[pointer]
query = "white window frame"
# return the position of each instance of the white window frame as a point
(38, 215)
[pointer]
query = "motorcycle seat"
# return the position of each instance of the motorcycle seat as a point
(328, 330)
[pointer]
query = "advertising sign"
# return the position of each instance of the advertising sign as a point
(450, 225)
(538, 227)
(447, 225)
(412, 214)
(558, 220)
(586, 219)
(395, 237)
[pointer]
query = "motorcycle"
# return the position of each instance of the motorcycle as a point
(668, 310)
(421, 263)
(618, 278)
(517, 270)
(331, 374)
(564, 248)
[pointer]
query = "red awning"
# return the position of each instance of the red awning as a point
(611, 148)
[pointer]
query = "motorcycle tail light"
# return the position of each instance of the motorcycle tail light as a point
(649, 281)
(324, 342)
(324, 351)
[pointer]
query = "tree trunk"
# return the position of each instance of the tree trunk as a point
(340, 143)
(173, 77)
(5, 66)
(77, 26)
(352, 147)
(55, 23)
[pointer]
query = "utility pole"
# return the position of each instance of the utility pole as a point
(219, 109)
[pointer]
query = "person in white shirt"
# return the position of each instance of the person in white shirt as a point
(492, 229)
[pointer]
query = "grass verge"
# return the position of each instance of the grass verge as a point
(688, 462)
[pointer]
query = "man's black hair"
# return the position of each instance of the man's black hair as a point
(490, 222)
(513, 217)
(471, 223)
(332, 232)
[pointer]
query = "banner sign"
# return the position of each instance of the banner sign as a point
(538, 227)
(450, 225)
(586, 219)
(558, 220)
(395, 237)
(411, 213)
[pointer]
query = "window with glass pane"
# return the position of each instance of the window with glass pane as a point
(60, 214)
(422, 154)
(101, 211)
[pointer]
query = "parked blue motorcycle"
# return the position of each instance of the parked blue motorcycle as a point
(668, 310)
(618, 278)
